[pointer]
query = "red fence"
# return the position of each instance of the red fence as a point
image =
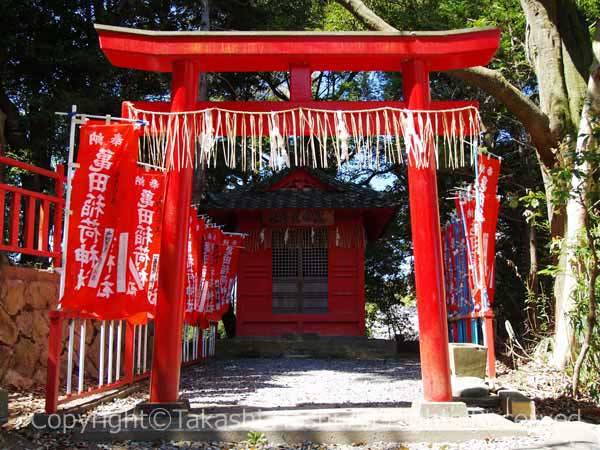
(26, 227)
(118, 352)
(86, 356)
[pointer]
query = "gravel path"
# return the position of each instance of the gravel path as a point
(271, 383)
(268, 383)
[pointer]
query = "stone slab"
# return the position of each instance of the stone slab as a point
(521, 408)
(429, 410)
(467, 360)
(327, 426)
(170, 408)
(517, 405)
(564, 434)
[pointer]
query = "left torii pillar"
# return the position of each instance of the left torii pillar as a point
(166, 358)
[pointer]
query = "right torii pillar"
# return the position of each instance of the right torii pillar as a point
(427, 251)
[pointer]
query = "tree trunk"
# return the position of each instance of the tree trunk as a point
(577, 55)
(544, 51)
(559, 84)
(575, 222)
(204, 26)
(199, 177)
(577, 207)
(566, 282)
(2, 132)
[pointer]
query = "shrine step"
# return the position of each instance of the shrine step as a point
(282, 426)
(313, 346)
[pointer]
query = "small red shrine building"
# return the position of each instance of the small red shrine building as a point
(303, 267)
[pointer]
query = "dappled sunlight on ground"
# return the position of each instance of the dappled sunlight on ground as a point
(273, 383)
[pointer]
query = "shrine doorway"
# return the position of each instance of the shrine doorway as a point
(300, 264)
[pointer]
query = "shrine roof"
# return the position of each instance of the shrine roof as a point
(264, 51)
(283, 191)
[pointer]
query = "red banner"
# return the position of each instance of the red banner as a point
(481, 250)
(466, 214)
(149, 188)
(488, 242)
(210, 256)
(487, 185)
(214, 275)
(232, 244)
(107, 253)
(488, 173)
(193, 272)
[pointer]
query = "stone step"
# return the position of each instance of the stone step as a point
(312, 347)
(325, 426)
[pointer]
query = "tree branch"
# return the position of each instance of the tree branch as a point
(365, 15)
(274, 87)
(375, 173)
(344, 87)
(529, 114)
(491, 81)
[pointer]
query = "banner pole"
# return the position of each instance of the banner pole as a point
(67, 211)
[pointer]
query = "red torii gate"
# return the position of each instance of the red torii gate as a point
(415, 54)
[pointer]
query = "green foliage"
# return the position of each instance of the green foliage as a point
(371, 310)
(534, 212)
(221, 330)
(256, 438)
(389, 280)
(337, 18)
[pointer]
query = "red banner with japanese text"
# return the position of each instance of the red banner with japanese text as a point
(465, 205)
(449, 267)
(194, 269)
(488, 173)
(491, 209)
(231, 246)
(486, 216)
(479, 217)
(105, 275)
(210, 255)
(213, 313)
(149, 189)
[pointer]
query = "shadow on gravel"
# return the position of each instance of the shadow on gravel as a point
(232, 409)
(274, 382)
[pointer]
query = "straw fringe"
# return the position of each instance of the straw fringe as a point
(308, 137)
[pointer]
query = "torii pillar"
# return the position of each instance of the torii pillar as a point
(166, 357)
(427, 251)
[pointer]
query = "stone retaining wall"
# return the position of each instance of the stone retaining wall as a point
(26, 296)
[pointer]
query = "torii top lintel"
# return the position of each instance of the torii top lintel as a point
(262, 51)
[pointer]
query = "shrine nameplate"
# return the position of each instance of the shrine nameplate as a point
(298, 217)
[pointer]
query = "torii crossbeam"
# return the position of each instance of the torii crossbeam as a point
(415, 54)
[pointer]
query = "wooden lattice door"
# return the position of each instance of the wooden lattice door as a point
(300, 270)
